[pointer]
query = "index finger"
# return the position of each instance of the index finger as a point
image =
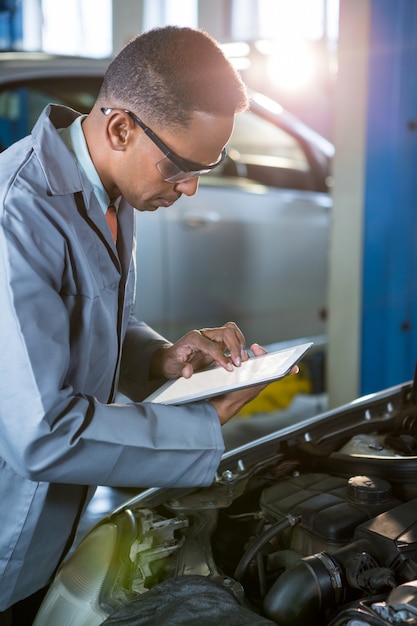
(230, 342)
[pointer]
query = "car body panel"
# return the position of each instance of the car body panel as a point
(253, 251)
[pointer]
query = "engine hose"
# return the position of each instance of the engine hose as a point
(304, 591)
(273, 531)
(261, 574)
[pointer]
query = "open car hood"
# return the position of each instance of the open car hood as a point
(313, 524)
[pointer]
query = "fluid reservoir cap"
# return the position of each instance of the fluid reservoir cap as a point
(368, 489)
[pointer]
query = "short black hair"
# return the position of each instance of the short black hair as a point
(168, 73)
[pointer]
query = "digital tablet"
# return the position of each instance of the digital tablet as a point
(216, 380)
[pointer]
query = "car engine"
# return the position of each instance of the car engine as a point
(315, 527)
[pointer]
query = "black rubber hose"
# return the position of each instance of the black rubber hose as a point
(302, 593)
(272, 532)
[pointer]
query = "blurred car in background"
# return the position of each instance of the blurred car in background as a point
(251, 246)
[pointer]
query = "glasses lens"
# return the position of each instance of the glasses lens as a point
(171, 173)
(168, 169)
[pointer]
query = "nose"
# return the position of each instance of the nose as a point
(188, 187)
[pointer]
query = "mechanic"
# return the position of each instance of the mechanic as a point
(69, 340)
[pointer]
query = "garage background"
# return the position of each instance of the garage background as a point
(363, 99)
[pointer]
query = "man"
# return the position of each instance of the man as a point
(67, 336)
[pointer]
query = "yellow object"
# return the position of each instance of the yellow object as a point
(278, 395)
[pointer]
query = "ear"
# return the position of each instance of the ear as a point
(120, 130)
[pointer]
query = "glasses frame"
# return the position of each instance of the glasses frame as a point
(186, 169)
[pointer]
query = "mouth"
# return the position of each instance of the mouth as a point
(165, 202)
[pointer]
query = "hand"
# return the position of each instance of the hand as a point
(197, 349)
(228, 404)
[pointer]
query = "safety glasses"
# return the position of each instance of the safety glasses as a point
(172, 168)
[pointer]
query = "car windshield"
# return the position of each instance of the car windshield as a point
(262, 152)
(257, 141)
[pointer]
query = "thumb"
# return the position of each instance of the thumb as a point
(187, 370)
(258, 350)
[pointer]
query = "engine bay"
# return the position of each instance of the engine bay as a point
(315, 525)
